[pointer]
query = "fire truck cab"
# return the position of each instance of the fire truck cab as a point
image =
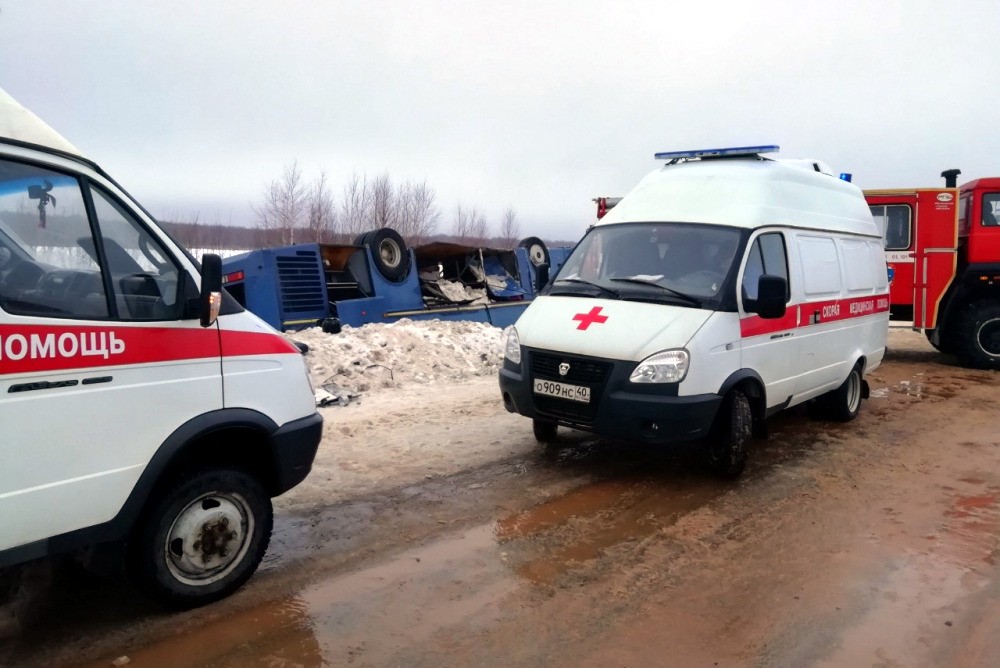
(943, 250)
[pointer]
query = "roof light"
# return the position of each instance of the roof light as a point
(845, 176)
(717, 152)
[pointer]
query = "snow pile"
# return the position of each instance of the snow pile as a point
(378, 356)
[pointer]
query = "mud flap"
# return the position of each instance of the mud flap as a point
(865, 390)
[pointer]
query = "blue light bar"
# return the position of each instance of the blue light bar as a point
(717, 152)
(844, 176)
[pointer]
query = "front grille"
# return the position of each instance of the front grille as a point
(591, 373)
(581, 371)
(301, 279)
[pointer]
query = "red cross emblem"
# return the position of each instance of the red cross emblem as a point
(588, 319)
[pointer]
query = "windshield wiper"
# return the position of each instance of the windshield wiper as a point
(609, 291)
(688, 298)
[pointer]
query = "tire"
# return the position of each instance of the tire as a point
(843, 404)
(978, 337)
(545, 431)
(388, 250)
(728, 448)
(538, 254)
(929, 333)
(168, 559)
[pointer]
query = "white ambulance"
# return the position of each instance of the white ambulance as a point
(725, 287)
(140, 405)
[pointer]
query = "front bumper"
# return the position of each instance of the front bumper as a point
(293, 451)
(617, 409)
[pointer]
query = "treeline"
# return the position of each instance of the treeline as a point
(292, 210)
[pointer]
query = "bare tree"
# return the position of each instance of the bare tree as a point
(383, 202)
(479, 228)
(510, 229)
(417, 214)
(355, 206)
(283, 207)
(322, 215)
(461, 223)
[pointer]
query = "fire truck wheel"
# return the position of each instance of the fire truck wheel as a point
(728, 446)
(538, 254)
(388, 252)
(545, 431)
(978, 340)
(202, 539)
(844, 403)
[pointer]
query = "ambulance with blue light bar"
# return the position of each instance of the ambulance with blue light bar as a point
(726, 286)
(147, 417)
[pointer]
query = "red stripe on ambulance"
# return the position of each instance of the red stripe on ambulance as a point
(25, 349)
(814, 313)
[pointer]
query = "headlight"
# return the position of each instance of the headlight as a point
(512, 349)
(669, 366)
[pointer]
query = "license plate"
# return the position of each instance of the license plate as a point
(563, 391)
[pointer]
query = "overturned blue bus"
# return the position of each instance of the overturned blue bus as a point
(379, 279)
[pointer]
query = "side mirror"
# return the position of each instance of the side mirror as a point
(772, 292)
(210, 299)
(541, 276)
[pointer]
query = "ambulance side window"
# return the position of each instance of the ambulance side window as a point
(143, 275)
(48, 267)
(766, 256)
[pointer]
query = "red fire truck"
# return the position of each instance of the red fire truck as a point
(943, 250)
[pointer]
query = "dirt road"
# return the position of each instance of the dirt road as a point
(434, 531)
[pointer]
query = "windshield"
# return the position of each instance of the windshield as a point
(677, 262)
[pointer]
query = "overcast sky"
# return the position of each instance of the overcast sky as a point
(195, 106)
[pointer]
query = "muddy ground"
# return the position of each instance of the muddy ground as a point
(873, 543)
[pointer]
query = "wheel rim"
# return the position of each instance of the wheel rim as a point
(209, 538)
(853, 391)
(988, 337)
(537, 254)
(388, 250)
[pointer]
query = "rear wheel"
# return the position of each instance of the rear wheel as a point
(538, 254)
(729, 441)
(388, 251)
(978, 336)
(844, 403)
(202, 539)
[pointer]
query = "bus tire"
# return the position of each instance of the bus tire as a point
(388, 250)
(538, 254)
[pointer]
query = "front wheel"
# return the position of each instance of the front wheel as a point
(202, 539)
(978, 340)
(545, 431)
(729, 441)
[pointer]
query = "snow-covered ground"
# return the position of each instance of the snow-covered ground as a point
(428, 404)
(377, 357)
